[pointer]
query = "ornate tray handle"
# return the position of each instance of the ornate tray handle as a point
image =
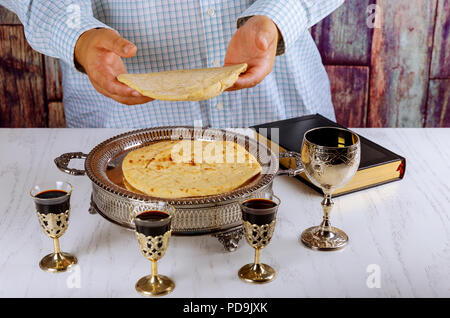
(295, 169)
(62, 162)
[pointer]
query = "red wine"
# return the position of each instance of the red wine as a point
(54, 201)
(259, 211)
(152, 223)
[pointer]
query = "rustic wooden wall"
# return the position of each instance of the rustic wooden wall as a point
(392, 71)
(398, 72)
(30, 83)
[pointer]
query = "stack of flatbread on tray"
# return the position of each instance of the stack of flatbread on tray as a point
(186, 168)
(184, 85)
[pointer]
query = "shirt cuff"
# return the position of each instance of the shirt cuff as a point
(66, 33)
(289, 16)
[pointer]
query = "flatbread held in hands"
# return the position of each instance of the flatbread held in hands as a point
(184, 85)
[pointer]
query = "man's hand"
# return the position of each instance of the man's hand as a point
(255, 43)
(99, 51)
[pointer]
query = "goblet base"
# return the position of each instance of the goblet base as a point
(257, 273)
(159, 285)
(317, 239)
(57, 262)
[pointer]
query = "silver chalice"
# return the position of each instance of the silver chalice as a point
(330, 157)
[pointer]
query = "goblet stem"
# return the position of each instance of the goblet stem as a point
(257, 272)
(57, 261)
(325, 237)
(154, 268)
(257, 256)
(56, 246)
(327, 206)
(154, 284)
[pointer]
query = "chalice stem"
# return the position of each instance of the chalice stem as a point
(154, 269)
(257, 256)
(327, 206)
(56, 245)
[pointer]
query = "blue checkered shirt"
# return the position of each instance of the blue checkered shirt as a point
(183, 34)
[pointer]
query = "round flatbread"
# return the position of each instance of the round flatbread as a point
(178, 169)
(184, 85)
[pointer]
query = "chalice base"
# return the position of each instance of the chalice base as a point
(57, 262)
(257, 273)
(317, 239)
(159, 285)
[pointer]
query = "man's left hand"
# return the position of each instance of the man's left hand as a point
(254, 43)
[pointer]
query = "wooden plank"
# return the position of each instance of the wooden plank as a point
(344, 37)
(438, 113)
(8, 17)
(53, 78)
(56, 117)
(349, 91)
(22, 98)
(401, 53)
(440, 66)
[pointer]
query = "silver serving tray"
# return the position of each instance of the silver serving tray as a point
(195, 215)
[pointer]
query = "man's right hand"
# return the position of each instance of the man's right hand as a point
(99, 52)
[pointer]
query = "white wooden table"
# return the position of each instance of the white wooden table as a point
(399, 233)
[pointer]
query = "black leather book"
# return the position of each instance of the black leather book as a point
(378, 165)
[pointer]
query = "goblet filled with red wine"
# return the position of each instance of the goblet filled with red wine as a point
(258, 220)
(52, 202)
(153, 229)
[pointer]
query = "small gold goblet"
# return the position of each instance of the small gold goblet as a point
(330, 157)
(52, 200)
(258, 219)
(153, 230)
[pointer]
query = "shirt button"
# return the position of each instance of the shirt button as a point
(211, 12)
(216, 63)
(219, 106)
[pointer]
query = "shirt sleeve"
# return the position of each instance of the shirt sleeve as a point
(53, 27)
(292, 17)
